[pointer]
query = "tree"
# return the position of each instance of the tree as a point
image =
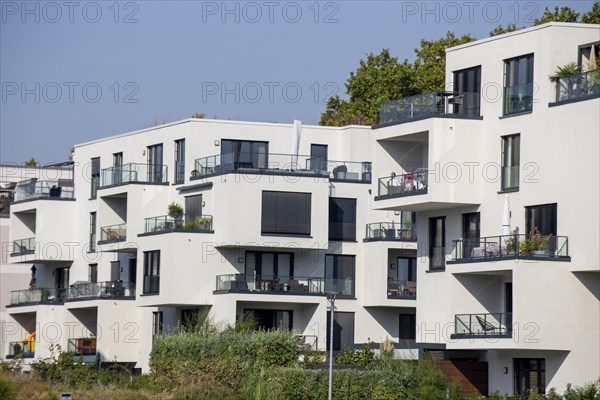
(198, 116)
(564, 14)
(499, 30)
(381, 78)
(31, 162)
(592, 16)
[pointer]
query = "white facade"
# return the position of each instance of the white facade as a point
(148, 269)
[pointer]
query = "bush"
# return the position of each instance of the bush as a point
(8, 390)
(363, 356)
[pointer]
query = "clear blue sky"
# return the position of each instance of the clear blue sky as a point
(156, 61)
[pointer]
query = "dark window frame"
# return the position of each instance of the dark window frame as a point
(93, 273)
(179, 157)
(432, 247)
(336, 272)
(552, 223)
(411, 335)
(511, 75)
(95, 177)
(282, 225)
(92, 233)
(470, 102)
(521, 370)
(340, 234)
(510, 156)
(258, 261)
(151, 269)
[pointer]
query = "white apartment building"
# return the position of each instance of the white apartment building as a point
(504, 288)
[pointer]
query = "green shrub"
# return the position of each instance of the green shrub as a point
(589, 391)
(363, 356)
(8, 389)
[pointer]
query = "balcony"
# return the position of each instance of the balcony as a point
(402, 289)
(515, 246)
(187, 223)
(82, 346)
(493, 325)
(414, 183)
(151, 284)
(32, 190)
(23, 247)
(428, 105)
(391, 231)
(113, 233)
(578, 87)
(102, 290)
(37, 296)
(133, 173)
(22, 349)
(293, 285)
(282, 164)
(518, 99)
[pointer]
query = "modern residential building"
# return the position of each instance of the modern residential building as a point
(232, 218)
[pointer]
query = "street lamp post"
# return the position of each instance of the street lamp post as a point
(331, 299)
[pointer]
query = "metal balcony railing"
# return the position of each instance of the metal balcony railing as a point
(493, 248)
(284, 284)
(429, 105)
(391, 231)
(133, 172)
(82, 346)
(22, 349)
(578, 86)
(44, 189)
(101, 290)
(23, 246)
(165, 223)
(402, 289)
(404, 185)
(113, 233)
(38, 296)
(482, 325)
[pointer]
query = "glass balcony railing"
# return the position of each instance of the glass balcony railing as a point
(151, 284)
(482, 325)
(179, 171)
(82, 346)
(284, 284)
(38, 296)
(282, 164)
(113, 233)
(510, 177)
(494, 248)
(429, 105)
(578, 86)
(22, 349)
(44, 189)
(23, 246)
(398, 289)
(101, 290)
(518, 99)
(165, 223)
(133, 172)
(403, 185)
(391, 231)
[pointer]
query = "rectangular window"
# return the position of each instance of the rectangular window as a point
(115, 271)
(237, 154)
(467, 86)
(95, 178)
(541, 218)
(518, 84)
(286, 213)
(437, 243)
(193, 208)
(318, 158)
(180, 161)
(471, 232)
(155, 164)
(117, 171)
(408, 327)
(343, 330)
(530, 373)
(93, 273)
(339, 274)
(342, 219)
(511, 149)
(271, 319)
(151, 272)
(92, 244)
(157, 323)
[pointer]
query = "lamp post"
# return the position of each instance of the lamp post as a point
(331, 299)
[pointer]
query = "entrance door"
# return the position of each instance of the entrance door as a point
(343, 330)
(530, 373)
(471, 233)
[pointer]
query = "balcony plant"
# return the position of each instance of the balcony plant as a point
(511, 242)
(175, 211)
(203, 223)
(571, 71)
(536, 244)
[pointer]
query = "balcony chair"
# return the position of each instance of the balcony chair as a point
(411, 288)
(295, 286)
(486, 326)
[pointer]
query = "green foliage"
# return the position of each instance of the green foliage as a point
(199, 116)
(175, 210)
(566, 70)
(8, 390)
(589, 391)
(499, 30)
(563, 14)
(31, 162)
(592, 16)
(190, 226)
(363, 356)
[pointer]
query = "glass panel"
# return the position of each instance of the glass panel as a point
(284, 266)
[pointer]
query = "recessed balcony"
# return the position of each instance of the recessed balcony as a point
(515, 246)
(186, 223)
(52, 190)
(577, 87)
(282, 164)
(113, 233)
(82, 346)
(22, 349)
(398, 289)
(490, 325)
(284, 285)
(37, 296)
(391, 231)
(101, 290)
(133, 173)
(410, 184)
(23, 247)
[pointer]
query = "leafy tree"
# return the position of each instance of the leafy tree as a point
(31, 162)
(499, 30)
(592, 16)
(198, 116)
(564, 14)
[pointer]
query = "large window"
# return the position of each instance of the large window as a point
(95, 178)
(518, 84)
(530, 373)
(92, 242)
(339, 274)
(343, 330)
(408, 327)
(318, 158)
(151, 272)
(467, 85)
(237, 154)
(342, 219)
(541, 218)
(117, 171)
(180, 161)
(286, 213)
(157, 323)
(271, 319)
(193, 208)
(471, 232)
(511, 149)
(437, 243)
(155, 163)
(265, 269)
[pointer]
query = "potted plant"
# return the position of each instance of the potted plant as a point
(568, 70)
(539, 242)
(175, 211)
(511, 243)
(204, 223)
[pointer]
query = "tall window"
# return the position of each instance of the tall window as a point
(93, 273)
(467, 85)
(243, 154)
(92, 243)
(180, 161)
(95, 178)
(541, 218)
(342, 219)
(339, 274)
(518, 84)
(193, 208)
(61, 281)
(437, 243)
(157, 323)
(151, 272)
(117, 171)
(471, 232)
(268, 266)
(530, 373)
(408, 327)
(286, 213)
(318, 158)
(155, 163)
(511, 149)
